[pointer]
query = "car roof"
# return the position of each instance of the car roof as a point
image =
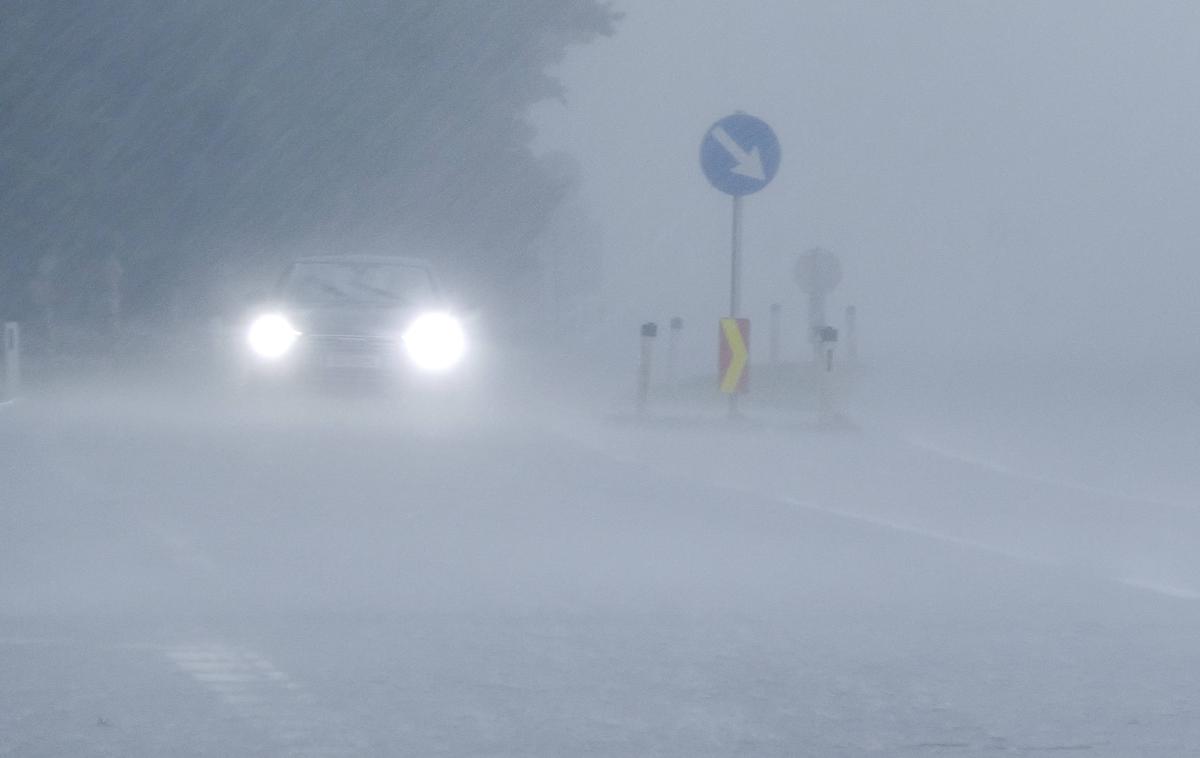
(384, 259)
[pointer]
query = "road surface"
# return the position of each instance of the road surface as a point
(217, 579)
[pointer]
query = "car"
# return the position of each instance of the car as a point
(335, 317)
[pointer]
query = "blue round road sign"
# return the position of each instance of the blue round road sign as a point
(740, 154)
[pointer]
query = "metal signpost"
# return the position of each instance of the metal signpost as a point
(739, 155)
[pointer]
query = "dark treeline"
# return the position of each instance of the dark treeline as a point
(170, 144)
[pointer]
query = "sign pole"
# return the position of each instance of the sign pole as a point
(735, 268)
(816, 320)
(776, 308)
(649, 332)
(735, 280)
(739, 155)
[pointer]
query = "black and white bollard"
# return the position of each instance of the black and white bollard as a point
(827, 337)
(673, 350)
(12, 361)
(649, 332)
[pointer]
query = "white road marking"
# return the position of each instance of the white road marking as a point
(223, 676)
(916, 531)
(1013, 473)
(267, 697)
(1157, 588)
(39, 641)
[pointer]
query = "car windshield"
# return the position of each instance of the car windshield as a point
(345, 282)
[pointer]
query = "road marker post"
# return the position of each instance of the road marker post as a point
(818, 272)
(12, 360)
(649, 332)
(673, 350)
(827, 337)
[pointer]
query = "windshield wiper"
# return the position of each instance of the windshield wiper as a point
(332, 290)
(378, 292)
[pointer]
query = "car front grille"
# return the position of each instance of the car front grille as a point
(350, 343)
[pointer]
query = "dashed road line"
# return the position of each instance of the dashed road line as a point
(268, 698)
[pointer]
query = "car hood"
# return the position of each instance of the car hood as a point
(356, 321)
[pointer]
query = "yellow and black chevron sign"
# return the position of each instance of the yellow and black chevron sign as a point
(734, 355)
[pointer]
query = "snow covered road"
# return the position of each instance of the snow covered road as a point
(213, 581)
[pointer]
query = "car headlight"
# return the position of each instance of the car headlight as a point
(271, 335)
(435, 341)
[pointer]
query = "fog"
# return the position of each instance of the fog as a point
(1002, 179)
(342, 411)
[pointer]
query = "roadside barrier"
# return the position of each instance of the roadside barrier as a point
(11, 386)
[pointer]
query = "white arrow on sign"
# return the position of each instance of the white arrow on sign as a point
(747, 163)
